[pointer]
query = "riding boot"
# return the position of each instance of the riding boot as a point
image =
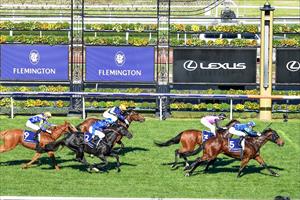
(95, 141)
(36, 138)
(242, 149)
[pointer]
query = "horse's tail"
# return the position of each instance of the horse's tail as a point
(196, 151)
(174, 140)
(53, 146)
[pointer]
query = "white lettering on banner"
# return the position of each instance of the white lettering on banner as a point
(34, 71)
(191, 65)
(115, 72)
(223, 66)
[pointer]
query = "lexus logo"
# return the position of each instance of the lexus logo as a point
(293, 66)
(190, 65)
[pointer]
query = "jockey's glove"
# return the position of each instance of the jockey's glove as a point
(258, 133)
(126, 121)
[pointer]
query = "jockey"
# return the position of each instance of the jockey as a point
(97, 128)
(41, 119)
(242, 130)
(116, 113)
(211, 121)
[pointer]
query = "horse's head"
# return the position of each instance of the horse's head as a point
(273, 136)
(134, 116)
(68, 127)
(123, 131)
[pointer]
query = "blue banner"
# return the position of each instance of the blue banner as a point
(34, 62)
(119, 64)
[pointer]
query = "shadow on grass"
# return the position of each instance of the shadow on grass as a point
(219, 162)
(125, 150)
(111, 166)
(39, 162)
(249, 169)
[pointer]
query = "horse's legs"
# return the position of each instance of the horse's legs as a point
(52, 156)
(35, 157)
(193, 166)
(176, 158)
(118, 161)
(259, 159)
(186, 161)
(211, 162)
(122, 146)
(244, 162)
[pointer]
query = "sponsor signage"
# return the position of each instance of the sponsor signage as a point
(288, 65)
(119, 64)
(34, 63)
(203, 65)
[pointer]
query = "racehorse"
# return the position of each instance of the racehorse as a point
(13, 137)
(189, 139)
(76, 142)
(214, 146)
(130, 115)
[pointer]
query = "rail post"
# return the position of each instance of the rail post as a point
(231, 108)
(266, 53)
(11, 107)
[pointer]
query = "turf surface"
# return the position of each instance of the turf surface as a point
(146, 172)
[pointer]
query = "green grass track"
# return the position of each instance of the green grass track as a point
(145, 168)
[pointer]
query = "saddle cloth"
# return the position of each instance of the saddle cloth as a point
(206, 135)
(28, 136)
(234, 145)
(88, 137)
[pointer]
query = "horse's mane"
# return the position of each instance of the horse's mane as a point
(232, 121)
(266, 131)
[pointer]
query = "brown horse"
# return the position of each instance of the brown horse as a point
(130, 115)
(13, 137)
(189, 139)
(214, 146)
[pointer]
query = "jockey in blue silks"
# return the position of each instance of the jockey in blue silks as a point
(116, 113)
(242, 130)
(37, 123)
(97, 128)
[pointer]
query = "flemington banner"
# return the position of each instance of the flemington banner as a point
(34, 63)
(214, 65)
(119, 64)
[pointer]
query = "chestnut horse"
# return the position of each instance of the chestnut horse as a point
(130, 115)
(189, 139)
(13, 137)
(214, 146)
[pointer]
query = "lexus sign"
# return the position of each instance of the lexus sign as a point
(214, 65)
(288, 65)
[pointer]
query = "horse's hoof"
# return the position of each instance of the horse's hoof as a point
(25, 166)
(187, 168)
(95, 169)
(119, 170)
(173, 166)
(187, 174)
(57, 168)
(275, 174)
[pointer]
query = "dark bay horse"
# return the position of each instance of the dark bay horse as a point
(13, 137)
(214, 146)
(189, 139)
(76, 143)
(130, 116)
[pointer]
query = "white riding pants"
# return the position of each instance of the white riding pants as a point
(106, 115)
(208, 125)
(98, 133)
(233, 131)
(31, 125)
